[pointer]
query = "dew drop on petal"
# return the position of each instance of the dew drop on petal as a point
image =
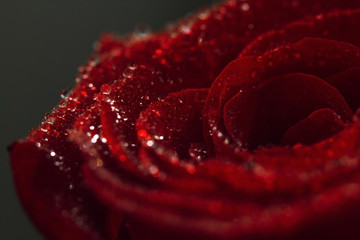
(154, 171)
(197, 152)
(186, 29)
(245, 7)
(142, 31)
(128, 73)
(106, 89)
(99, 163)
(52, 153)
(71, 106)
(204, 14)
(95, 138)
(65, 93)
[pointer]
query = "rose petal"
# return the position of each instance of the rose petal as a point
(319, 125)
(161, 210)
(348, 84)
(283, 171)
(54, 196)
(174, 123)
(261, 115)
(337, 25)
(172, 130)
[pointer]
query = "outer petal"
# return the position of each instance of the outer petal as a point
(337, 25)
(56, 201)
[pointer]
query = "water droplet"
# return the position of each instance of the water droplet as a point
(95, 138)
(62, 103)
(44, 129)
(132, 67)
(85, 76)
(99, 162)
(204, 14)
(154, 170)
(150, 143)
(185, 28)
(106, 89)
(142, 31)
(128, 73)
(71, 106)
(245, 7)
(197, 151)
(65, 93)
(91, 86)
(159, 137)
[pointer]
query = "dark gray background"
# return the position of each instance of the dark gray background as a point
(41, 44)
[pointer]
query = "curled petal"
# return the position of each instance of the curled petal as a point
(261, 115)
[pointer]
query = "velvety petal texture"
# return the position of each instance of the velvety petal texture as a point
(239, 122)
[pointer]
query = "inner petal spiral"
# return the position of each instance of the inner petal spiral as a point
(261, 115)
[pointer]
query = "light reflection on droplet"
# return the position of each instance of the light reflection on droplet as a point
(95, 138)
(99, 163)
(150, 143)
(245, 7)
(186, 29)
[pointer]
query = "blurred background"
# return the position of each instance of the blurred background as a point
(42, 43)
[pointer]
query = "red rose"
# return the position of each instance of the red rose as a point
(141, 149)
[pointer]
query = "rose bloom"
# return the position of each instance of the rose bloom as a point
(239, 122)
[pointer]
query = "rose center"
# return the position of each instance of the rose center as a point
(288, 109)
